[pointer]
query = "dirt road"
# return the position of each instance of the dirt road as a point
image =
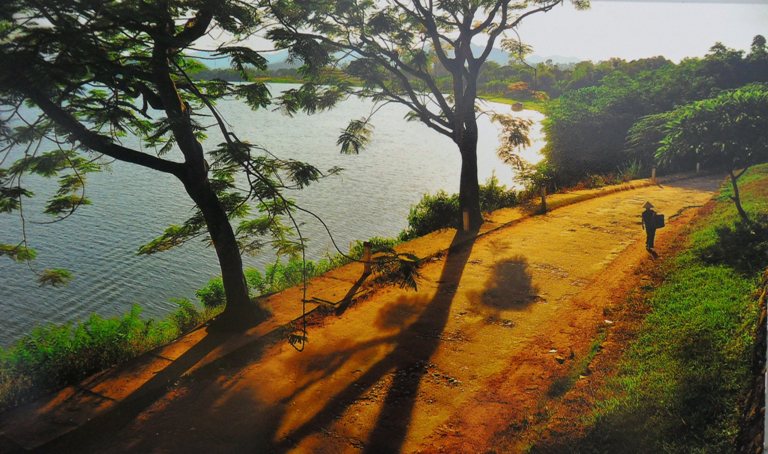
(493, 325)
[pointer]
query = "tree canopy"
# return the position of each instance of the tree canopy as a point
(82, 76)
(400, 50)
(599, 128)
(729, 131)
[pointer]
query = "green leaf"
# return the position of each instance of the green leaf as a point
(47, 164)
(302, 173)
(17, 252)
(242, 56)
(66, 203)
(54, 277)
(256, 95)
(355, 137)
(10, 198)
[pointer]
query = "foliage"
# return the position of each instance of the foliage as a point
(281, 275)
(513, 137)
(623, 117)
(433, 212)
(743, 246)
(54, 277)
(416, 54)
(57, 355)
(84, 79)
(441, 210)
(728, 131)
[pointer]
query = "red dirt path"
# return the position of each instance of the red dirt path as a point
(451, 368)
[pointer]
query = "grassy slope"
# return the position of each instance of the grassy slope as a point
(681, 384)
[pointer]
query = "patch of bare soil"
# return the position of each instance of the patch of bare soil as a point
(562, 419)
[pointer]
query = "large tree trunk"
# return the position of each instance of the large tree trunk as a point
(465, 136)
(469, 189)
(240, 312)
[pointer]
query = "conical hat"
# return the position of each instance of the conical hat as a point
(647, 205)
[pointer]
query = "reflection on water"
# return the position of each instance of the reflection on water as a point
(132, 205)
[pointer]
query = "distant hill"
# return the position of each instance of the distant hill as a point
(279, 59)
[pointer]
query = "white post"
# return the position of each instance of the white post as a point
(653, 175)
(698, 167)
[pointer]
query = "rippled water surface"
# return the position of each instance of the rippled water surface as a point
(132, 205)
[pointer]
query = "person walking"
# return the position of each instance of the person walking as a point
(649, 225)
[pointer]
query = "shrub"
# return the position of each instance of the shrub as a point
(494, 195)
(212, 295)
(433, 212)
(744, 246)
(57, 355)
(629, 171)
(441, 210)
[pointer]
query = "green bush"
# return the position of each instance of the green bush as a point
(57, 355)
(743, 246)
(433, 212)
(494, 195)
(212, 295)
(441, 210)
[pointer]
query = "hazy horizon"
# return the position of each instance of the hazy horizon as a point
(633, 29)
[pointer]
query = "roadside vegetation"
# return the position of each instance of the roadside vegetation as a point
(681, 385)
(625, 115)
(53, 356)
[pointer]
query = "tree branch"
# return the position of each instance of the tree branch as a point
(95, 141)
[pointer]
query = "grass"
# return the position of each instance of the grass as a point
(561, 385)
(681, 384)
(54, 356)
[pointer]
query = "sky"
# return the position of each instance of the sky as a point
(632, 29)
(645, 28)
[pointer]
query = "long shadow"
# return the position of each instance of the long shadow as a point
(347, 300)
(125, 411)
(414, 346)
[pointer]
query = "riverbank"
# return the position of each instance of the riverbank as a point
(373, 339)
(96, 239)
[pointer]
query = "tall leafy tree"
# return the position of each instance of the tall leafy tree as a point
(396, 49)
(730, 130)
(78, 76)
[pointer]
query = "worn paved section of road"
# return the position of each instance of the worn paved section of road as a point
(495, 322)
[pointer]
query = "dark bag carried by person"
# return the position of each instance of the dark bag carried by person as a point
(658, 220)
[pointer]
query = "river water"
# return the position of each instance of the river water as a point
(132, 205)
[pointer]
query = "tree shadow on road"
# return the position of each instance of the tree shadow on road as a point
(413, 347)
(511, 286)
(125, 411)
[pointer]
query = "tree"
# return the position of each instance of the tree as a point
(519, 51)
(396, 48)
(79, 76)
(730, 130)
